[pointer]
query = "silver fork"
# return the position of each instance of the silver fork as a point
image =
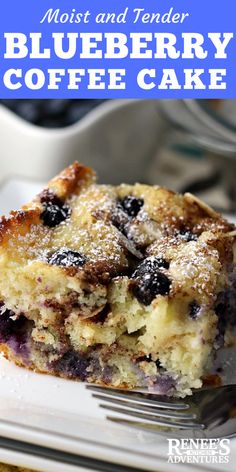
(208, 413)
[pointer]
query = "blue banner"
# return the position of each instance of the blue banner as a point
(121, 49)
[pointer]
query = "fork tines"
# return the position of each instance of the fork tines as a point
(151, 408)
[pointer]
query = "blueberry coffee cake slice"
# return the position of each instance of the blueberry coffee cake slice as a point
(126, 286)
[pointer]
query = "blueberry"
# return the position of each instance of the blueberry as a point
(54, 213)
(164, 384)
(7, 326)
(132, 205)
(187, 235)
(158, 364)
(120, 219)
(73, 364)
(15, 332)
(67, 258)
(150, 265)
(149, 285)
(148, 359)
(194, 309)
(125, 210)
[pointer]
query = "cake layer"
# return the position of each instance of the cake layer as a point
(127, 286)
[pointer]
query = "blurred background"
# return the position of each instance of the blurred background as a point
(186, 145)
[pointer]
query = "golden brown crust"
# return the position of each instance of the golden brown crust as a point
(18, 223)
(69, 182)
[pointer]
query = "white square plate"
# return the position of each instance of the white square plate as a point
(44, 411)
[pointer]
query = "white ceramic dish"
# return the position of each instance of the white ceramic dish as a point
(41, 410)
(39, 464)
(118, 138)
